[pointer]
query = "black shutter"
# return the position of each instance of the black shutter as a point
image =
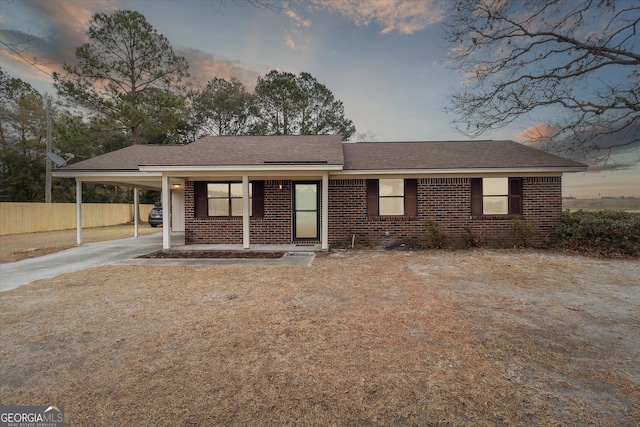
(411, 197)
(372, 197)
(257, 202)
(515, 196)
(200, 199)
(476, 196)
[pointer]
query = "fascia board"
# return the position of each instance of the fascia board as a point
(110, 174)
(460, 172)
(239, 169)
(255, 175)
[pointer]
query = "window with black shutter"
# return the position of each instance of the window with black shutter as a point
(225, 199)
(392, 197)
(496, 196)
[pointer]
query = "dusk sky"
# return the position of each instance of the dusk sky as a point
(385, 59)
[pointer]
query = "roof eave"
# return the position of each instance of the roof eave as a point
(75, 173)
(285, 167)
(465, 171)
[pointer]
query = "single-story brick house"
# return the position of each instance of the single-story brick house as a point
(317, 190)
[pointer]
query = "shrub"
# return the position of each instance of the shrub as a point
(523, 231)
(436, 236)
(605, 233)
(471, 240)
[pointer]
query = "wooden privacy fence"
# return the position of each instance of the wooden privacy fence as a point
(32, 217)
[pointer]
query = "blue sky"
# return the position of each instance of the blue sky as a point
(384, 59)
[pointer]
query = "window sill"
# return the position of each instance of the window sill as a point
(392, 218)
(495, 217)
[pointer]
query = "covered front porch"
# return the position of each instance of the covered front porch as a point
(256, 211)
(175, 210)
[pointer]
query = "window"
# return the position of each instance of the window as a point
(224, 199)
(496, 196)
(392, 197)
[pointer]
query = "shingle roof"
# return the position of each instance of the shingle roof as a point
(128, 158)
(327, 149)
(260, 150)
(448, 155)
(224, 151)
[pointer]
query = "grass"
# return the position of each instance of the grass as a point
(360, 338)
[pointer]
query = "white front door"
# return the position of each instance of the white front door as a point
(306, 219)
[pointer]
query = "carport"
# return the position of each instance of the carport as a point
(101, 170)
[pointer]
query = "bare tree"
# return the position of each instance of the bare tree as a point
(578, 60)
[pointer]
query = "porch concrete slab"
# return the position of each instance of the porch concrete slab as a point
(253, 248)
(178, 244)
(302, 260)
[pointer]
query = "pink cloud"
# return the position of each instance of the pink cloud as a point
(403, 16)
(204, 67)
(538, 136)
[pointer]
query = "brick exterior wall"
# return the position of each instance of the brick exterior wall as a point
(446, 201)
(273, 228)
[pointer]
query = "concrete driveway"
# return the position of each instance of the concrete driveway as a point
(88, 255)
(122, 251)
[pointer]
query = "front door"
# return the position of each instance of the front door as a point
(306, 220)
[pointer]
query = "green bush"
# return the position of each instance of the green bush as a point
(605, 233)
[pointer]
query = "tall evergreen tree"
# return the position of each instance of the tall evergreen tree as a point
(223, 107)
(22, 141)
(287, 104)
(121, 70)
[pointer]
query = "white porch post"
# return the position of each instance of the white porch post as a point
(325, 212)
(136, 217)
(78, 212)
(246, 216)
(166, 214)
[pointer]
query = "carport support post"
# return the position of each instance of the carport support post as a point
(136, 217)
(78, 212)
(246, 218)
(166, 214)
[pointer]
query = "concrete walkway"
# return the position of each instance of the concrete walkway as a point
(115, 252)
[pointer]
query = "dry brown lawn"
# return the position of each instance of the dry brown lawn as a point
(360, 338)
(629, 204)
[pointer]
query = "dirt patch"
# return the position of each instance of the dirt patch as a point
(213, 255)
(359, 338)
